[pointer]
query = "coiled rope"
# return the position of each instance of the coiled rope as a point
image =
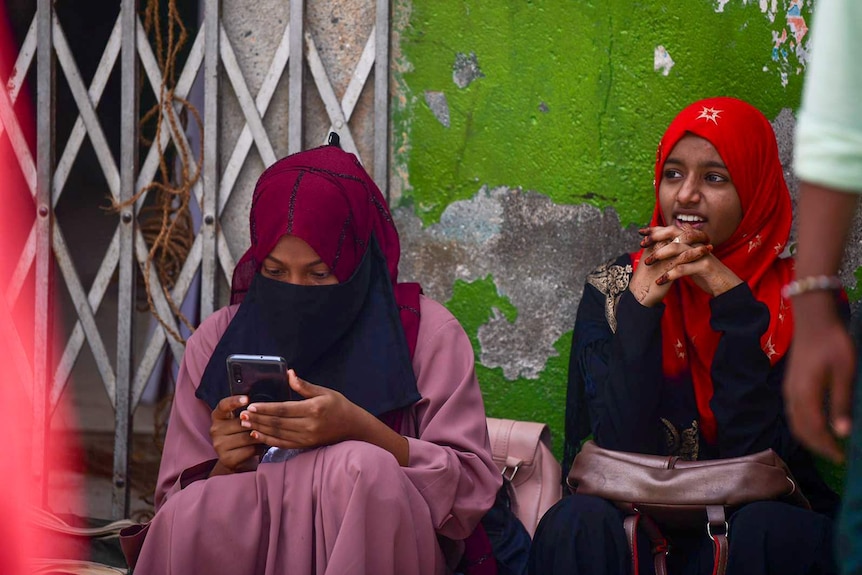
(167, 224)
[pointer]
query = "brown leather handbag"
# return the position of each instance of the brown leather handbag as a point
(522, 452)
(666, 491)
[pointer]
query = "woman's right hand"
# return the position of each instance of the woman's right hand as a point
(237, 450)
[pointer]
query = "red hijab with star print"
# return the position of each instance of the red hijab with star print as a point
(745, 141)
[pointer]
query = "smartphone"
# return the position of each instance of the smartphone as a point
(260, 377)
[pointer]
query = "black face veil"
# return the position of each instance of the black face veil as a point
(347, 337)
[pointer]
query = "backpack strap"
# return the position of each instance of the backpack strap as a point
(659, 542)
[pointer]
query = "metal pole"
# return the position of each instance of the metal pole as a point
(295, 69)
(44, 172)
(126, 288)
(381, 98)
(209, 267)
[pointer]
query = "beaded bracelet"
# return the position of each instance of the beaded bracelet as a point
(811, 283)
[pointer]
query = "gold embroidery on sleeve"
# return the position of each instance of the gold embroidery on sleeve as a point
(611, 280)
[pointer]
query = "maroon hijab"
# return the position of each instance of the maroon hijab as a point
(325, 197)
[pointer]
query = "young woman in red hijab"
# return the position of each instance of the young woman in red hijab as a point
(383, 466)
(679, 349)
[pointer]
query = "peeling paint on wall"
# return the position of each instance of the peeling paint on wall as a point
(538, 253)
(662, 60)
(789, 53)
(532, 296)
(466, 69)
(474, 303)
(439, 106)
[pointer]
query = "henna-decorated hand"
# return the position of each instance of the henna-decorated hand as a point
(672, 253)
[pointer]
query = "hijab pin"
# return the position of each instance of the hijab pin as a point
(334, 140)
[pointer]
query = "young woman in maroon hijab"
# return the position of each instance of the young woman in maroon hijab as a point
(384, 464)
(679, 349)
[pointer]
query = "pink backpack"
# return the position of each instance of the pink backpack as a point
(522, 452)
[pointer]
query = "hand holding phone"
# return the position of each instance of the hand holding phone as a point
(237, 451)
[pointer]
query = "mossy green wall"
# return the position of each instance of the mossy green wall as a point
(568, 99)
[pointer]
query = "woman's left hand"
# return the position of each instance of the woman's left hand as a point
(324, 417)
(688, 253)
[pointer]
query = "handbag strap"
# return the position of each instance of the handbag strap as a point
(659, 542)
(717, 530)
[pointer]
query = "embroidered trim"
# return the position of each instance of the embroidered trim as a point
(293, 201)
(344, 227)
(611, 280)
(411, 309)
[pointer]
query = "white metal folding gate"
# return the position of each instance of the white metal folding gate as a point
(46, 46)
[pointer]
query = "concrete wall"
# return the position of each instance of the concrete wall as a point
(524, 134)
